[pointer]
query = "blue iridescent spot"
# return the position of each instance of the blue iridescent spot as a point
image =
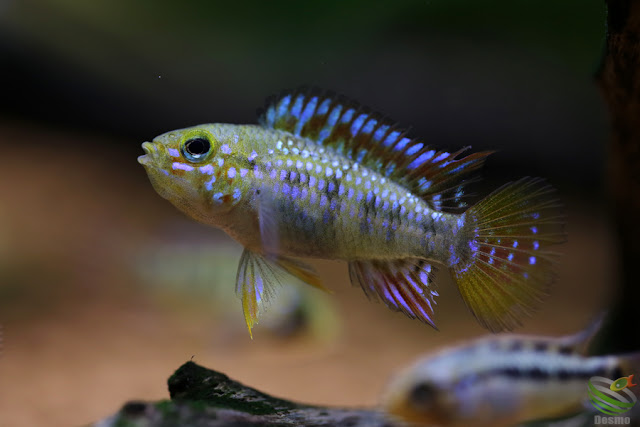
(326, 217)
(401, 300)
(457, 169)
(391, 138)
(271, 116)
(401, 144)
(379, 133)
(331, 187)
(510, 257)
(368, 127)
(297, 106)
(324, 107)
(421, 159)
(333, 204)
(536, 245)
(414, 149)
(425, 184)
(361, 155)
(357, 124)
(286, 188)
(534, 230)
(259, 288)
(442, 156)
(389, 170)
(532, 260)
(324, 133)
(294, 192)
(209, 184)
(348, 115)
(284, 105)
(333, 116)
(306, 114)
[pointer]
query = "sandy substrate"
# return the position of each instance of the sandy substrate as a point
(83, 334)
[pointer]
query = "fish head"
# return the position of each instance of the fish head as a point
(182, 166)
(421, 395)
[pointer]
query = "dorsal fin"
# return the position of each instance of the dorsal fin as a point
(370, 139)
(581, 341)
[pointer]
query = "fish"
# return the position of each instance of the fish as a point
(321, 176)
(503, 380)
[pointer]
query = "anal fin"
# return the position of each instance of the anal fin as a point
(403, 285)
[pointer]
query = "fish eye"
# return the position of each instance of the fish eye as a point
(196, 149)
(422, 395)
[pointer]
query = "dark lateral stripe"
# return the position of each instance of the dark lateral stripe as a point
(538, 347)
(542, 374)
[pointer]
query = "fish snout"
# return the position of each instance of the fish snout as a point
(149, 151)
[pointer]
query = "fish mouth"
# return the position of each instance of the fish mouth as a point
(149, 151)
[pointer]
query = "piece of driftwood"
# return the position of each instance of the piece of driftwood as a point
(201, 397)
(619, 80)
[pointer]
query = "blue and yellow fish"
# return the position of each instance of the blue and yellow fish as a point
(322, 177)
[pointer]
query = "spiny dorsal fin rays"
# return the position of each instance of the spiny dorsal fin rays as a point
(376, 142)
(403, 285)
(258, 278)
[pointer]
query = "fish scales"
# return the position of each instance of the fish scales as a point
(347, 210)
(322, 177)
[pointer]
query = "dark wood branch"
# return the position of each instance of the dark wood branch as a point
(201, 397)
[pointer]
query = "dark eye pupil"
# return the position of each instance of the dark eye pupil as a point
(197, 146)
(422, 395)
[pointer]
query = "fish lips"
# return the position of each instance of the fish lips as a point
(149, 151)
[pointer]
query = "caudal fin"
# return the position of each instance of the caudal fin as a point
(510, 267)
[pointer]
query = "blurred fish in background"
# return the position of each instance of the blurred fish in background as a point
(174, 267)
(506, 380)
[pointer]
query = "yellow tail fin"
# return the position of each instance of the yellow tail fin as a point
(510, 267)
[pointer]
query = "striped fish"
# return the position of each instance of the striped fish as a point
(322, 177)
(503, 381)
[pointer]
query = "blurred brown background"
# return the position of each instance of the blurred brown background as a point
(105, 289)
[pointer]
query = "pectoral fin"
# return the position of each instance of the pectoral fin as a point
(259, 276)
